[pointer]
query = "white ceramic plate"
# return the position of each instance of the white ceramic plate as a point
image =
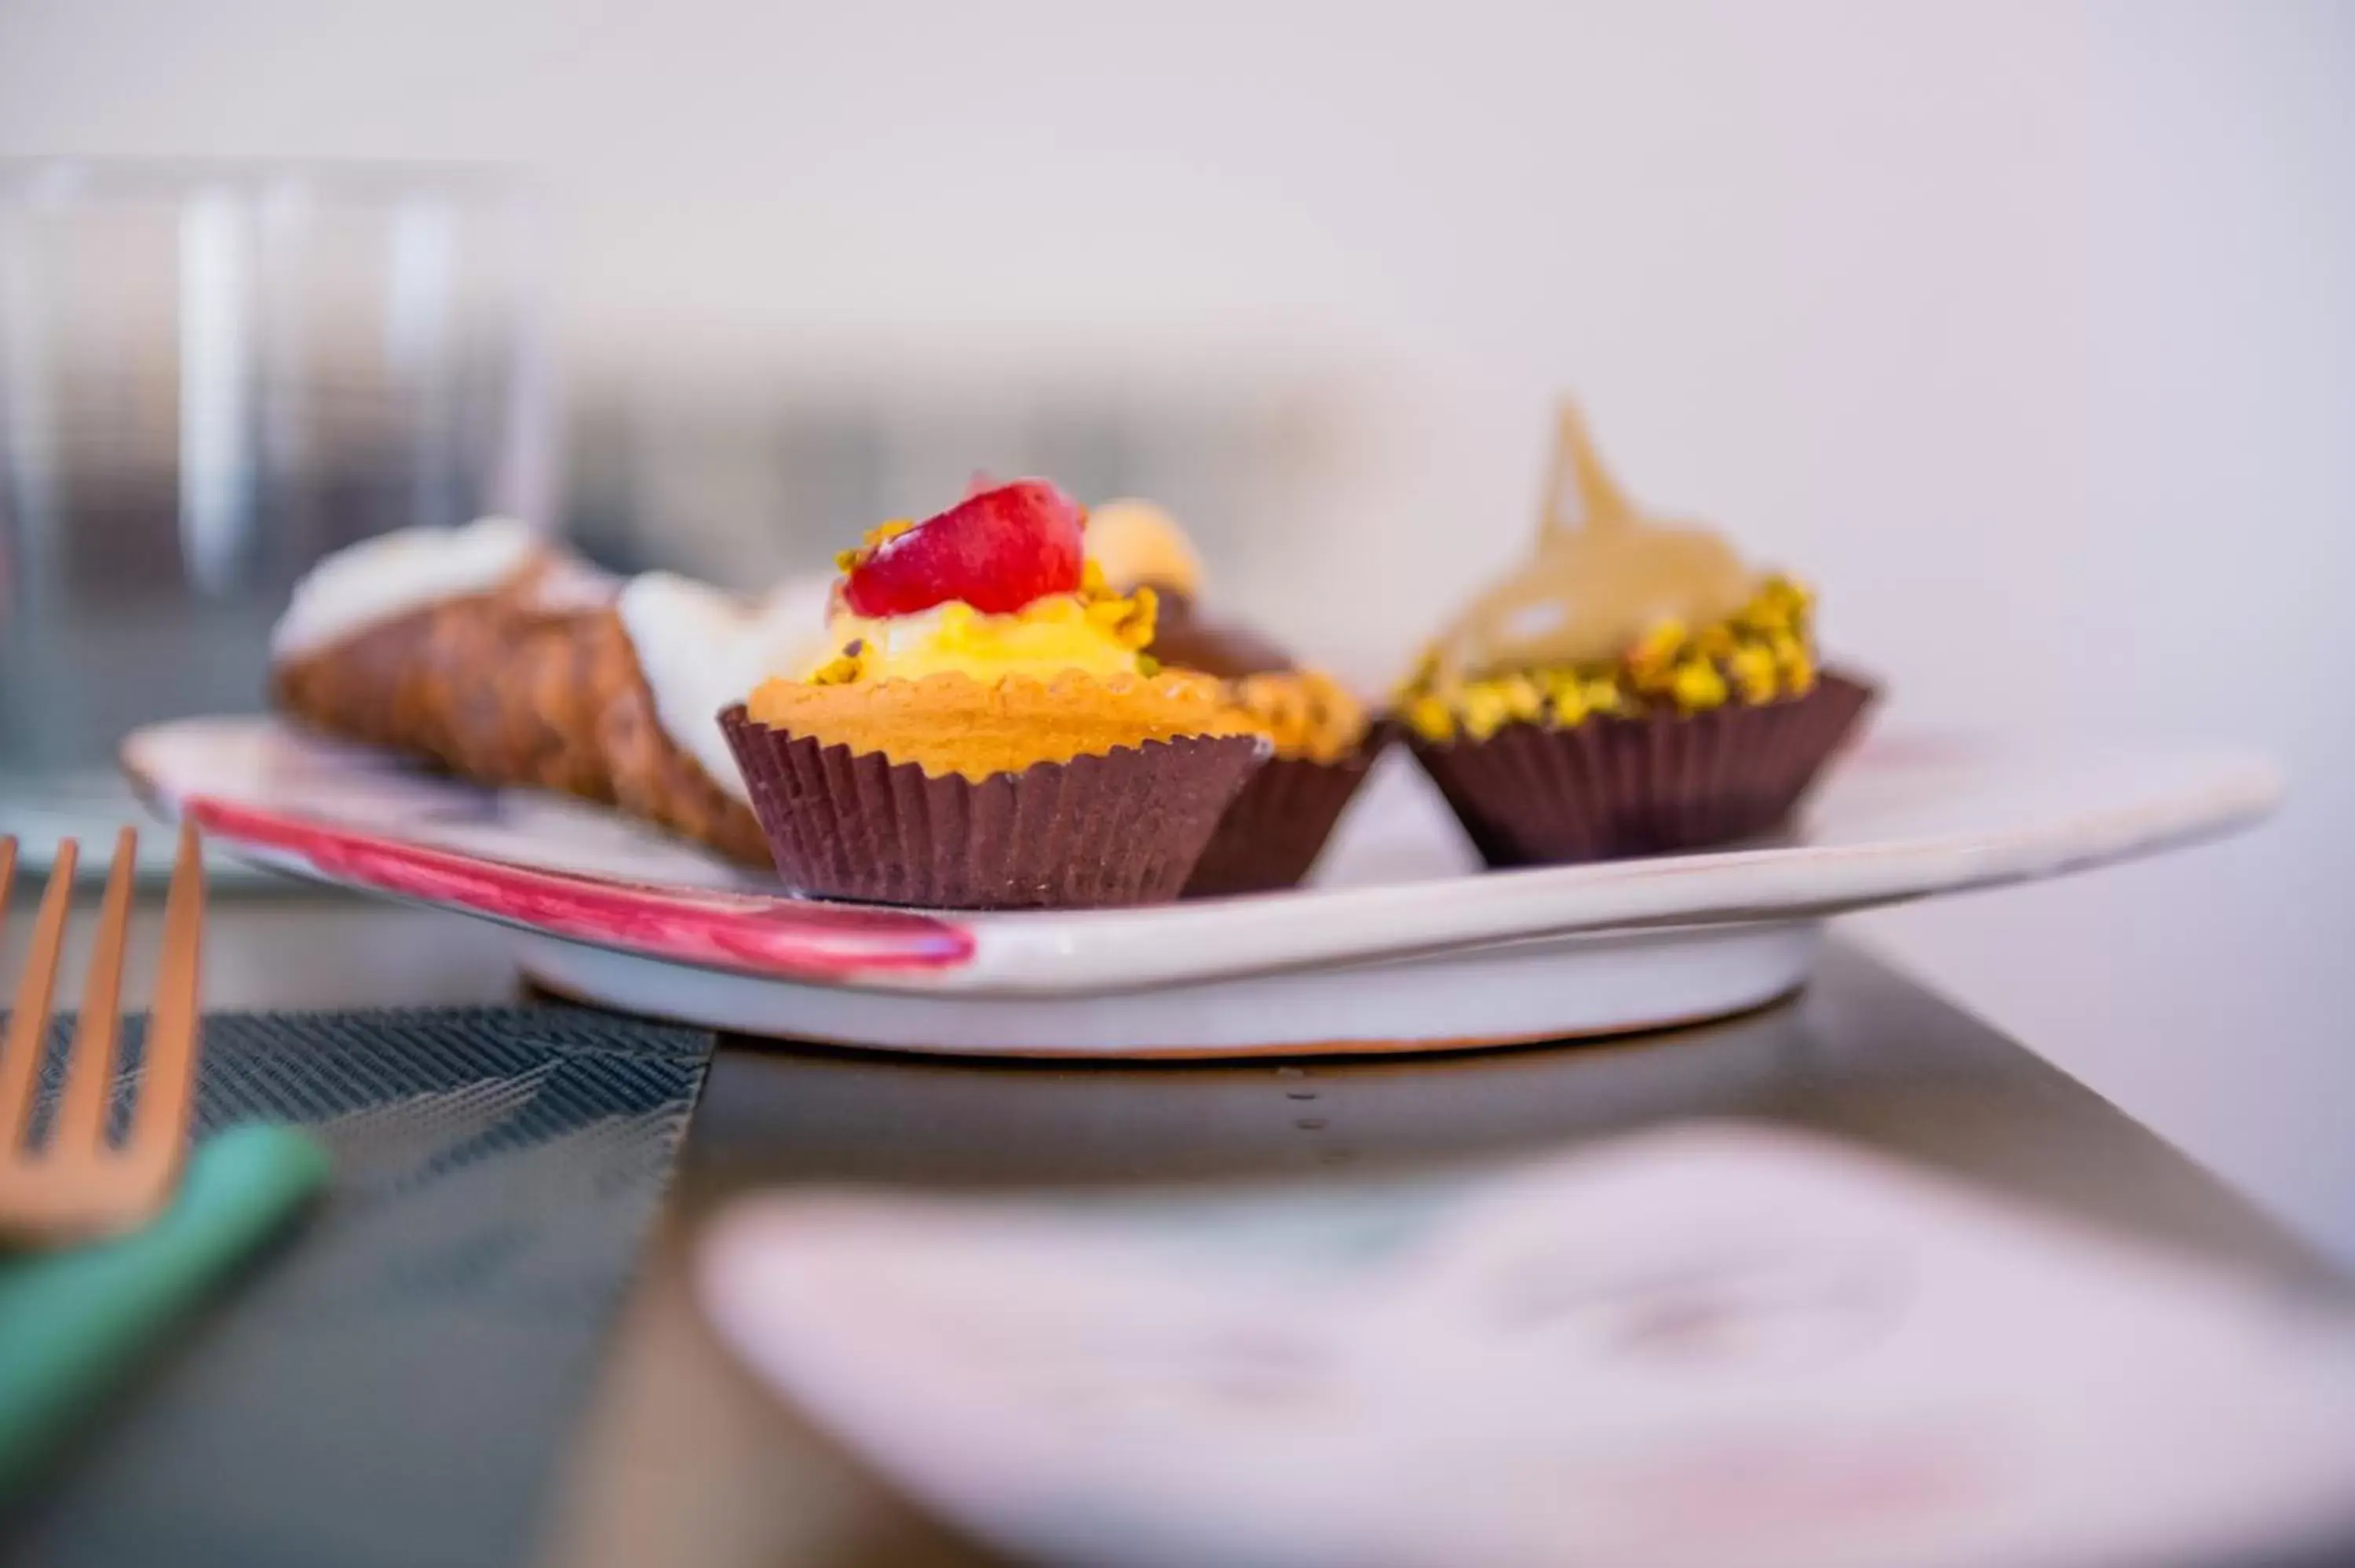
(1711, 1343)
(1401, 943)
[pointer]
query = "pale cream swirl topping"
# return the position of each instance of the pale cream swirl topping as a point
(1603, 575)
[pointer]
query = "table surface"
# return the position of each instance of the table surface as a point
(680, 1458)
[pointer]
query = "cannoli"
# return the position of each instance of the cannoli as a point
(515, 693)
(383, 642)
(485, 652)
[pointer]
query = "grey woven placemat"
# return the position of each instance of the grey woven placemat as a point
(393, 1385)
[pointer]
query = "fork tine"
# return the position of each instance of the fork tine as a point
(80, 1127)
(28, 1025)
(167, 1081)
(7, 876)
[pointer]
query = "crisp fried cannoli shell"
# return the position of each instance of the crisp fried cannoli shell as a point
(655, 778)
(379, 685)
(515, 696)
(495, 686)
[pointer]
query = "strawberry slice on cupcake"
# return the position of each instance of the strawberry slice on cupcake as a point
(997, 550)
(984, 730)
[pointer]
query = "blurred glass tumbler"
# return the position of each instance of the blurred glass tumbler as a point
(212, 376)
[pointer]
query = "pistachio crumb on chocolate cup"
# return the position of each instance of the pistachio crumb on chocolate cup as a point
(1634, 687)
(1536, 793)
(1686, 740)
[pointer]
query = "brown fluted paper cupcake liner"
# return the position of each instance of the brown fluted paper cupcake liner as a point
(1125, 826)
(1535, 794)
(1280, 820)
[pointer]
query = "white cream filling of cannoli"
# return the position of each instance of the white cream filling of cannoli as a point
(392, 574)
(568, 585)
(700, 650)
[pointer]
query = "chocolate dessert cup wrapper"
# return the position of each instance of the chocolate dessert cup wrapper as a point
(1536, 795)
(1121, 828)
(1280, 820)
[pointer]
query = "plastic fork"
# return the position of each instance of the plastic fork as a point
(75, 1185)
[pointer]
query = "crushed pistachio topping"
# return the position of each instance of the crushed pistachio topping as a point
(1133, 616)
(1128, 620)
(1763, 652)
(849, 560)
(1306, 713)
(841, 670)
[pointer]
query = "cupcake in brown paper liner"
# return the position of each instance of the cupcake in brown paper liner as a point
(1634, 689)
(1277, 825)
(985, 731)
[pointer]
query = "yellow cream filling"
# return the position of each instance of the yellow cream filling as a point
(1093, 631)
(1764, 652)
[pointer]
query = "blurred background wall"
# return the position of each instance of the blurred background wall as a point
(2024, 330)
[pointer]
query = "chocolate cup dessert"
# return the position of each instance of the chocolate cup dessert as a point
(1633, 687)
(1119, 828)
(1280, 820)
(1184, 639)
(1535, 794)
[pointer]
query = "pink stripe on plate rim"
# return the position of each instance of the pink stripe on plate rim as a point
(775, 936)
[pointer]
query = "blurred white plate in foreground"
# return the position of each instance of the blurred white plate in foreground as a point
(1402, 943)
(1713, 1347)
